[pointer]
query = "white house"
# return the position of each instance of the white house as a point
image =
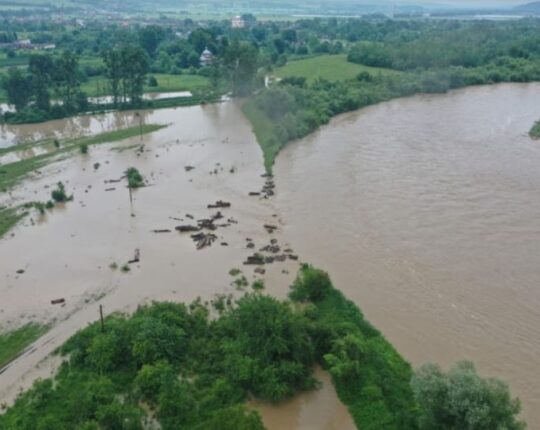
(238, 22)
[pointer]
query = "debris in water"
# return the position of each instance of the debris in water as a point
(256, 259)
(187, 228)
(203, 239)
(136, 258)
(58, 301)
(219, 204)
(270, 228)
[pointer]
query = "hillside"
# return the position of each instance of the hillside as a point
(533, 7)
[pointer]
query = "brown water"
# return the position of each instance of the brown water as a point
(82, 125)
(426, 212)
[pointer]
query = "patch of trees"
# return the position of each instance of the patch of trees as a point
(49, 89)
(194, 371)
(126, 68)
(445, 44)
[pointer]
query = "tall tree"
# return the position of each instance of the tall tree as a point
(18, 88)
(241, 60)
(135, 65)
(150, 37)
(113, 71)
(66, 78)
(41, 70)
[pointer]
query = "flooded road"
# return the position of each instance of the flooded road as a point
(426, 212)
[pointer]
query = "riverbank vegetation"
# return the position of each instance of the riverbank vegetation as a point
(195, 366)
(394, 59)
(14, 342)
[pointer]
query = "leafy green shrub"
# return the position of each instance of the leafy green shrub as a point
(84, 148)
(59, 194)
(134, 178)
(535, 130)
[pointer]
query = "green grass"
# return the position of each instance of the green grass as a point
(14, 342)
(534, 132)
(331, 67)
(9, 217)
(264, 130)
(99, 86)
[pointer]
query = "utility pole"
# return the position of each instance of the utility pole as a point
(101, 318)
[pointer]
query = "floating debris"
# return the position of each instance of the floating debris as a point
(203, 239)
(270, 228)
(58, 301)
(219, 205)
(136, 258)
(256, 259)
(187, 228)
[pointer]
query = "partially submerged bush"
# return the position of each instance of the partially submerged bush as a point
(59, 194)
(134, 177)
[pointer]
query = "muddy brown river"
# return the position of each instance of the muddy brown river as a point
(426, 212)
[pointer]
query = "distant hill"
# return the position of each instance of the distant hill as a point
(533, 7)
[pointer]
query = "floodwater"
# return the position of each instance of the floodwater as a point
(82, 125)
(67, 253)
(426, 212)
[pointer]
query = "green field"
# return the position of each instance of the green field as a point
(98, 86)
(14, 342)
(331, 67)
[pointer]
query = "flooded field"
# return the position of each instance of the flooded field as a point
(68, 252)
(426, 212)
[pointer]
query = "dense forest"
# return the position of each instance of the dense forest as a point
(194, 366)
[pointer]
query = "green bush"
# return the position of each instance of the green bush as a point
(134, 178)
(59, 194)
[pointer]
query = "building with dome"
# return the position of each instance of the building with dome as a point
(206, 58)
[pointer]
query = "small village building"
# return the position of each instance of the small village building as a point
(238, 22)
(206, 58)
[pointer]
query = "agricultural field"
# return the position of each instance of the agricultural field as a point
(331, 67)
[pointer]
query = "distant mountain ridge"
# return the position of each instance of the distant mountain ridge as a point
(533, 7)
